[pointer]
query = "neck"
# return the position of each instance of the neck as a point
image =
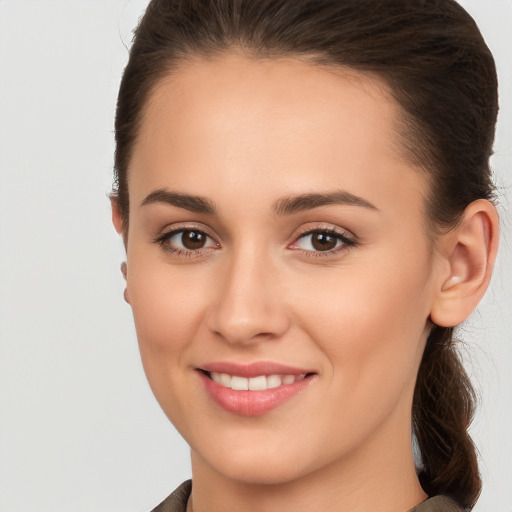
(377, 477)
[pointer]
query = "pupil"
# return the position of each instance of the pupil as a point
(193, 239)
(323, 242)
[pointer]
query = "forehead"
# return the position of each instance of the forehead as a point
(255, 93)
(293, 122)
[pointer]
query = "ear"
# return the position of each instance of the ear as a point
(117, 218)
(467, 259)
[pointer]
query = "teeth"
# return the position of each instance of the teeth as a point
(260, 383)
(273, 381)
(217, 377)
(239, 383)
(225, 380)
(288, 379)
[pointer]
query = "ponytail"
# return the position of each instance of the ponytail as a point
(443, 407)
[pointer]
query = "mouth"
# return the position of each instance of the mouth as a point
(257, 383)
(254, 389)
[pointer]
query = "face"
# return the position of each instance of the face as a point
(277, 242)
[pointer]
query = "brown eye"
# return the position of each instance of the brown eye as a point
(323, 241)
(193, 240)
(326, 241)
(187, 241)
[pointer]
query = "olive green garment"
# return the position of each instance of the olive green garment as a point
(177, 502)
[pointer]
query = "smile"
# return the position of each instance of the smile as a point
(253, 389)
(258, 383)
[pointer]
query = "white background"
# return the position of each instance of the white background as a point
(79, 428)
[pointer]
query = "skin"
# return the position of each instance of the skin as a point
(245, 134)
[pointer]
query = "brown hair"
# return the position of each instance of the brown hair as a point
(438, 68)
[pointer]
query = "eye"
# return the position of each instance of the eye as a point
(186, 241)
(322, 241)
(189, 239)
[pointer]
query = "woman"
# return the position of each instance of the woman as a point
(305, 198)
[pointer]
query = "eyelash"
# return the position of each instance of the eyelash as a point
(163, 241)
(346, 242)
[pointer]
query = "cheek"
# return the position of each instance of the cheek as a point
(372, 327)
(167, 310)
(167, 306)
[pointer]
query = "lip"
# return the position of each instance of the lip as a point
(254, 369)
(253, 403)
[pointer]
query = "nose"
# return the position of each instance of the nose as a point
(249, 305)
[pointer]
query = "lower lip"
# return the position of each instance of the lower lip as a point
(252, 403)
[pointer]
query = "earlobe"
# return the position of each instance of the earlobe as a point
(124, 271)
(468, 254)
(117, 218)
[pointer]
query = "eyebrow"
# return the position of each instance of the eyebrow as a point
(196, 204)
(289, 205)
(283, 206)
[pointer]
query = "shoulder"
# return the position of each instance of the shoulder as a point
(437, 504)
(177, 500)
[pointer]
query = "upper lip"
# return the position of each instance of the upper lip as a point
(254, 369)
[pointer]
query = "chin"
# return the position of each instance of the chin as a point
(261, 471)
(258, 462)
